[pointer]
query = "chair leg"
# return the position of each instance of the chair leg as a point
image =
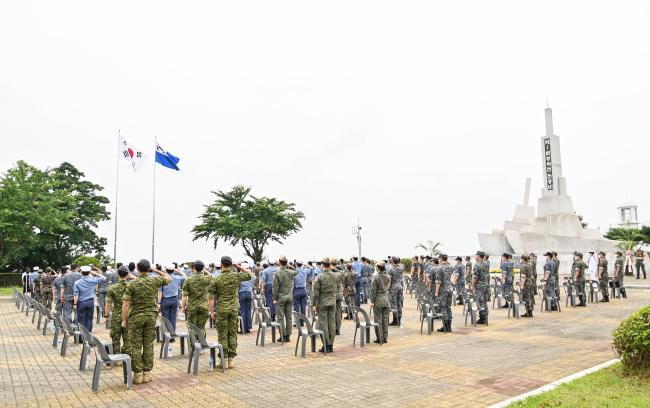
(362, 338)
(182, 346)
(303, 346)
(313, 344)
(213, 354)
(84, 357)
(257, 337)
(64, 343)
(129, 375)
(96, 373)
(295, 353)
(223, 359)
(191, 358)
(124, 373)
(55, 340)
(197, 354)
(354, 338)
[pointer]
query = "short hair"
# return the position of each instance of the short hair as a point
(443, 257)
(524, 258)
(131, 266)
(74, 266)
(144, 266)
(467, 258)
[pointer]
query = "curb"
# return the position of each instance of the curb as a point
(643, 287)
(554, 384)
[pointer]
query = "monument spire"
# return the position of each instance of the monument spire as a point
(548, 113)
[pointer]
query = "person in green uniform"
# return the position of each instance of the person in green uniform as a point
(603, 276)
(195, 295)
(225, 289)
(337, 270)
(139, 311)
(114, 303)
(326, 287)
(527, 284)
(380, 303)
(282, 295)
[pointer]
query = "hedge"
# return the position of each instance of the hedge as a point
(632, 341)
(10, 279)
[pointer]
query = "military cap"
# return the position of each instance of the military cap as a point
(325, 260)
(548, 254)
(170, 267)
(85, 268)
(506, 255)
(579, 254)
(396, 259)
(282, 258)
(480, 253)
(458, 258)
(381, 263)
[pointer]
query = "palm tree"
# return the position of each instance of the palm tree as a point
(628, 237)
(430, 247)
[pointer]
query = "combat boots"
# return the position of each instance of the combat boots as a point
(481, 319)
(146, 377)
(448, 326)
(394, 322)
(231, 362)
(137, 378)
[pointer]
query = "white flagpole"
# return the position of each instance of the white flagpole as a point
(153, 228)
(117, 185)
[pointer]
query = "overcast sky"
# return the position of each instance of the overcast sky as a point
(422, 118)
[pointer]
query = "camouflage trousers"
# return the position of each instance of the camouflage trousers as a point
(460, 288)
(327, 322)
(46, 297)
(227, 326)
(482, 295)
(349, 300)
(528, 297)
(507, 290)
(119, 336)
(396, 299)
(141, 334)
(58, 308)
(580, 289)
(283, 308)
(365, 288)
(198, 316)
(603, 282)
(101, 300)
(339, 312)
(381, 318)
(445, 300)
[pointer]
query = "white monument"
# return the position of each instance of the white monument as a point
(555, 227)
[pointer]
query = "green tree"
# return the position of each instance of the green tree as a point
(236, 217)
(628, 237)
(48, 217)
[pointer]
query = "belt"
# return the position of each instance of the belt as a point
(170, 297)
(302, 287)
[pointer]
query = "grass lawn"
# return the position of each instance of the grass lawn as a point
(604, 388)
(7, 291)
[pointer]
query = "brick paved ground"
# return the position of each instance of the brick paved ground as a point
(471, 367)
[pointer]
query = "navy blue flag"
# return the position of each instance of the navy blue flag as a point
(166, 159)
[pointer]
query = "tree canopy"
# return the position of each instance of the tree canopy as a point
(629, 237)
(48, 217)
(237, 217)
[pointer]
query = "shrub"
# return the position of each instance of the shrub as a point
(407, 262)
(10, 279)
(632, 341)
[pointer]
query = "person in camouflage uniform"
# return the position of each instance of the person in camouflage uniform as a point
(195, 295)
(549, 280)
(619, 273)
(444, 292)
(480, 286)
(533, 266)
(336, 269)
(37, 287)
(556, 274)
(366, 278)
(114, 303)
(579, 268)
(415, 269)
(395, 293)
(326, 288)
(527, 283)
(225, 289)
(459, 270)
(603, 276)
(469, 269)
(102, 288)
(139, 311)
(507, 267)
(349, 289)
(57, 291)
(282, 294)
(380, 303)
(46, 287)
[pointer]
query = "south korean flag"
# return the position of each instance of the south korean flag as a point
(133, 155)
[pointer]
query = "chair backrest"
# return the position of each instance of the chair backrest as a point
(85, 334)
(515, 292)
(57, 320)
(67, 325)
(266, 317)
(100, 351)
(191, 330)
(363, 314)
(167, 326)
(301, 318)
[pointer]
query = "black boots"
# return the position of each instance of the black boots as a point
(446, 327)
(529, 313)
(326, 349)
(506, 306)
(623, 293)
(482, 318)
(394, 322)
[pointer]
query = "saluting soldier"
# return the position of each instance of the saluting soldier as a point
(139, 311)
(326, 288)
(195, 295)
(282, 294)
(380, 303)
(459, 270)
(114, 303)
(444, 292)
(396, 294)
(507, 267)
(224, 289)
(549, 278)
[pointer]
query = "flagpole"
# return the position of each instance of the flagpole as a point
(117, 185)
(153, 229)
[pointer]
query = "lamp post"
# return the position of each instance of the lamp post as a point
(356, 230)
